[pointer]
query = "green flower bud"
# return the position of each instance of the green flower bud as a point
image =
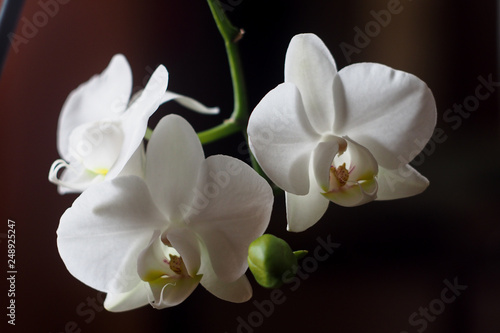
(269, 257)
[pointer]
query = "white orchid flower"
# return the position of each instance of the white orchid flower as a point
(190, 220)
(100, 129)
(344, 136)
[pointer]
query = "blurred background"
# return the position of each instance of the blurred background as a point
(389, 272)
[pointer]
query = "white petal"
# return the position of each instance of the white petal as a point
(383, 109)
(173, 161)
(102, 234)
(130, 300)
(400, 183)
(188, 102)
(136, 164)
(151, 263)
(322, 159)
(232, 208)
(310, 66)
(282, 139)
(237, 291)
(187, 244)
(151, 96)
(303, 211)
(103, 96)
(363, 165)
(135, 119)
(97, 145)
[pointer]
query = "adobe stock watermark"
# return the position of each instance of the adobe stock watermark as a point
(420, 319)
(266, 135)
(85, 311)
(217, 181)
(363, 37)
(230, 5)
(308, 265)
(454, 116)
(227, 6)
(484, 89)
(93, 136)
(31, 26)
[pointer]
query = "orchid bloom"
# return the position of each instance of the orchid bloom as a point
(343, 136)
(153, 239)
(100, 130)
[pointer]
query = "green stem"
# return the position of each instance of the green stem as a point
(239, 118)
(221, 131)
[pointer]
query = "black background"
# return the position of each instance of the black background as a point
(393, 257)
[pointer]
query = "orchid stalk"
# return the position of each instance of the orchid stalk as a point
(238, 121)
(239, 118)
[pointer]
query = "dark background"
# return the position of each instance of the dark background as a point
(393, 257)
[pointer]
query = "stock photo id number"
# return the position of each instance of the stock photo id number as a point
(10, 239)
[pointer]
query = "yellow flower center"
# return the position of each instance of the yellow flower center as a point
(176, 264)
(101, 171)
(340, 173)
